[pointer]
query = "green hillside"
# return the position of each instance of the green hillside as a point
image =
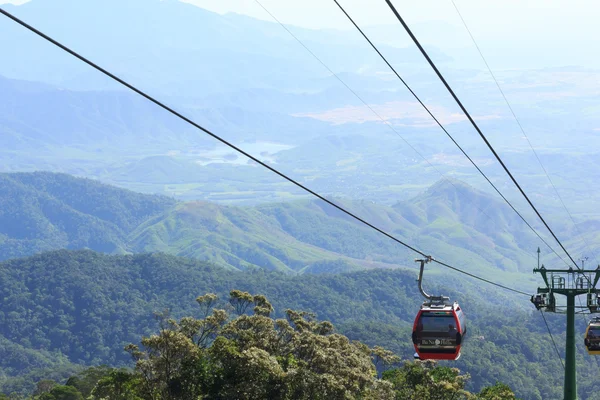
(293, 236)
(453, 221)
(45, 211)
(232, 236)
(83, 307)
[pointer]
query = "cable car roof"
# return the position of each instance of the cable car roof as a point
(439, 306)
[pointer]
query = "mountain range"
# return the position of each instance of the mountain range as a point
(285, 108)
(112, 209)
(46, 211)
(153, 36)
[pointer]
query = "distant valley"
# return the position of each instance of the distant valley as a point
(46, 128)
(61, 116)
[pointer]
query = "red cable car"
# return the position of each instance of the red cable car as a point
(592, 337)
(439, 327)
(438, 331)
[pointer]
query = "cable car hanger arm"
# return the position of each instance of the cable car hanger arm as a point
(436, 299)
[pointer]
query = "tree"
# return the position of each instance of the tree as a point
(383, 358)
(499, 391)
(44, 386)
(254, 357)
(60, 392)
(119, 384)
(240, 301)
(206, 303)
(167, 365)
(424, 380)
(85, 381)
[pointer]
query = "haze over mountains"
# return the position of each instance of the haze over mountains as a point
(259, 88)
(111, 208)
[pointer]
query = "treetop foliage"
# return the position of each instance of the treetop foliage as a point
(245, 354)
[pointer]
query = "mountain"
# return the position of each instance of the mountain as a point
(35, 116)
(91, 304)
(52, 128)
(454, 212)
(174, 48)
(228, 236)
(43, 211)
(87, 306)
(451, 219)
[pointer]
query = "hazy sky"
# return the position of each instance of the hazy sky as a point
(511, 16)
(558, 32)
(533, 33)
(538, 18)
(506, 13)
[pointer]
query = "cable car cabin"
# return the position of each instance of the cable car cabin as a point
(592, 337)
(438, 331)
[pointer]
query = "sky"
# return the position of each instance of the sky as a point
(532, 13)
(535, 32)
(508, 16)
(488, 18)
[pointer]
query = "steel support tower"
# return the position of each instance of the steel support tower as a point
(569, 283)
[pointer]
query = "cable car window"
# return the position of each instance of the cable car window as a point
(436, 323)
(594, 331)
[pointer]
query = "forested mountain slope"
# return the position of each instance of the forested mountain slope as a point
(87, 306)
(458, 224)
(44, 211)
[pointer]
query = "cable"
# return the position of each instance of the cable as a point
(468, 115)
(461, 149)
(586, 244)
(523, 132)
(414, 94)
(363, 101)
(225, 142)
(394, 130)
(442, 127)
(479, 278)
(522, 129)
(553, 342)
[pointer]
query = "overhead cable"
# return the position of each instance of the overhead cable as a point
(470, 118)
(394, 130)
(585, 242)
(443, 128)
(379, 116)
(239, 150)
(553, 342)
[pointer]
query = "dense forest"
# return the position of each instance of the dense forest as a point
(64, 310)
(236, 354)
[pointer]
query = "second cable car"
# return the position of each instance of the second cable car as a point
(592, 337)
(439, 327)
